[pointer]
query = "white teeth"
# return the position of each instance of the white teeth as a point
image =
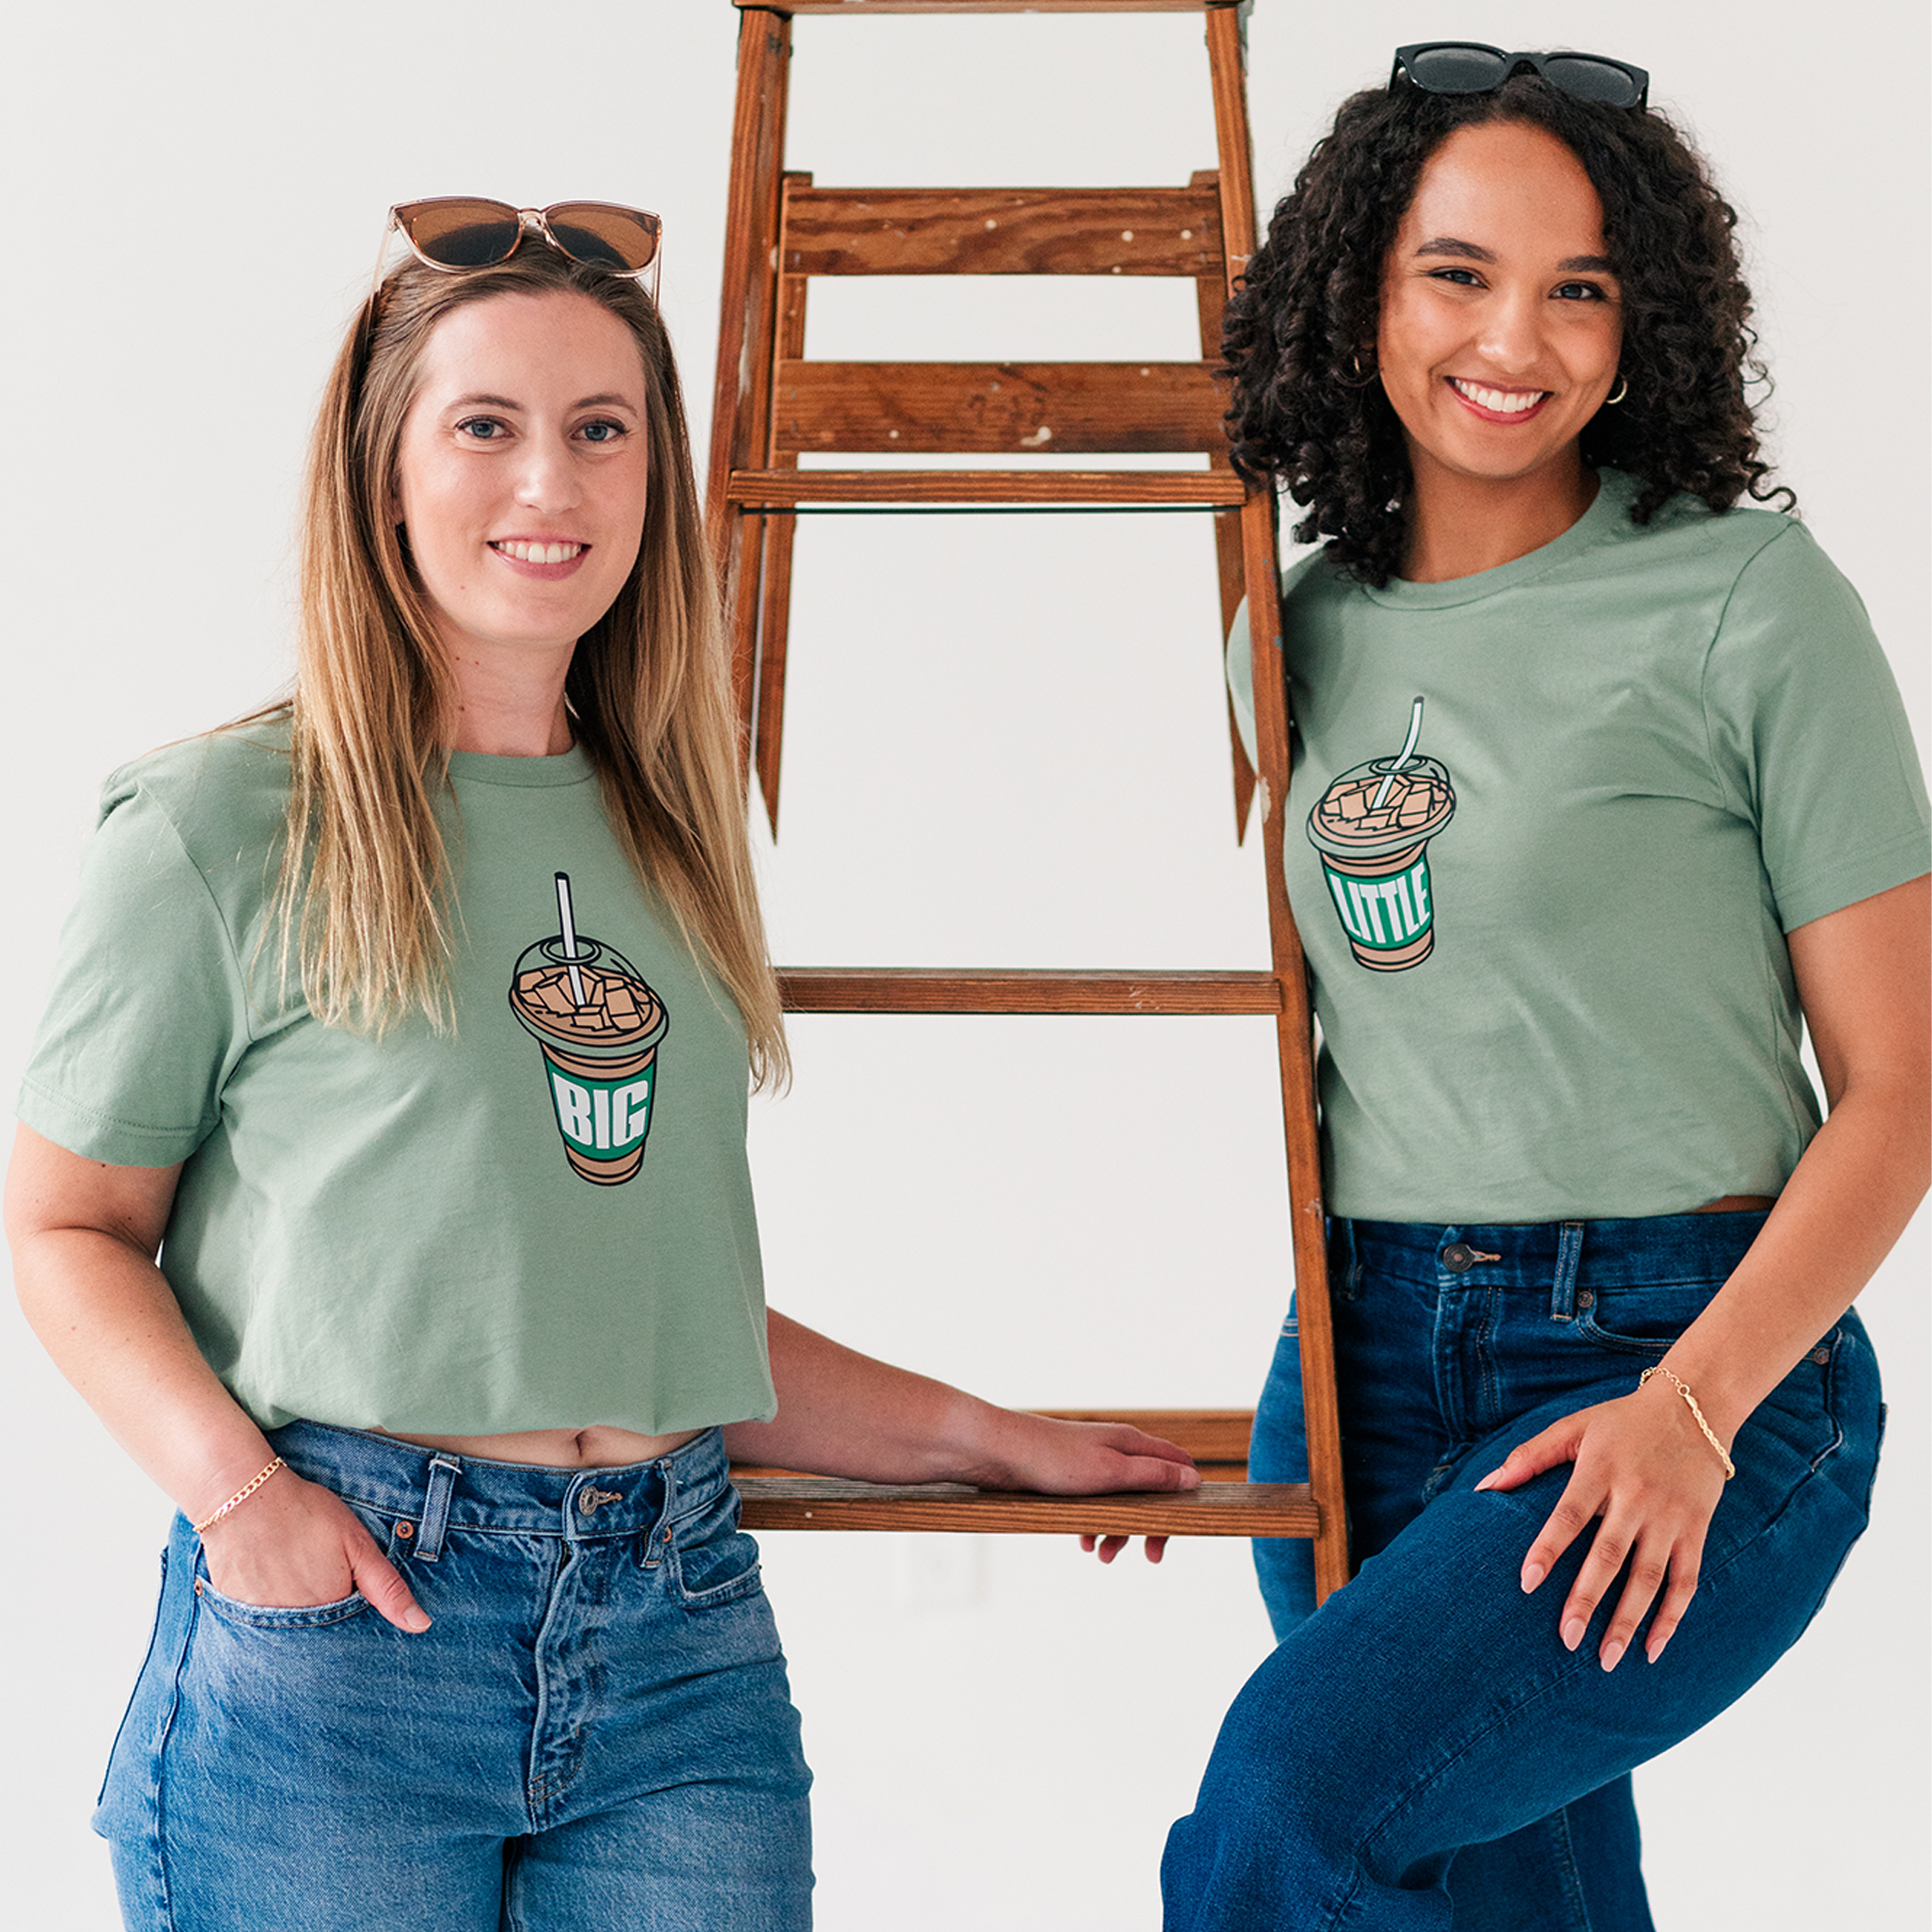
(1505, 402)
(537, 553)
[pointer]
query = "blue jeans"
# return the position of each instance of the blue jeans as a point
(595, 1735)
(1422, 1751)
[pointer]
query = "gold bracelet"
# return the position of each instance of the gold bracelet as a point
(1683, 1389)
(240, 1496)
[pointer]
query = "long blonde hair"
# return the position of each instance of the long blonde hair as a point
(364, 901)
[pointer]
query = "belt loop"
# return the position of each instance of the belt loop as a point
(444, 1471)
(1568, 1258)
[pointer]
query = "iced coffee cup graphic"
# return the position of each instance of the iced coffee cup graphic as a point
(600, 1027)
(1372, 828)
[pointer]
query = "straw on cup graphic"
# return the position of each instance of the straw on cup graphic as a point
(569, 925)
(600, 1025)
(1372, 828)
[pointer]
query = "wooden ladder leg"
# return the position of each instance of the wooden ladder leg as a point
(741, 401)
(1211, 295)
(780, 533)
(1295, 1029)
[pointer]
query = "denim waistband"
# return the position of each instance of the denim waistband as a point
(443, 1491)
(1650, 1251)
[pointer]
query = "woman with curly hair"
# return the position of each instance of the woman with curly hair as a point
(1603, 793)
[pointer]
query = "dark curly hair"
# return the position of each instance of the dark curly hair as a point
(1307, 311)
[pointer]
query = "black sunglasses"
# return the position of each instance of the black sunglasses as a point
(1469, 67)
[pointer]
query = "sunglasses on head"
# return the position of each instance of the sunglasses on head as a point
(1469, 67)
(465, 232)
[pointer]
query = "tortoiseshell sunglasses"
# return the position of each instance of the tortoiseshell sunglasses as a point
(467, 232)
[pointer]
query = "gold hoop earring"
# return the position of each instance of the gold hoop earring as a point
(1623, 389)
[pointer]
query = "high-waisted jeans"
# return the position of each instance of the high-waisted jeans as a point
(596, 1734)
(1422, 1751)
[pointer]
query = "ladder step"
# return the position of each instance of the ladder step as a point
(1214, 1509)
(781, 489)
(1002, 231)
(838, 989)
(851, 8)
(1217, 1438)
(989, 409)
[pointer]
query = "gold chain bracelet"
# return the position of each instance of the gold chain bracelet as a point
(1683, 1388)
(242, 1494)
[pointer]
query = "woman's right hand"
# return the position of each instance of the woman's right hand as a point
(295, 1543)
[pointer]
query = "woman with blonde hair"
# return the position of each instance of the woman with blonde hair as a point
(410, 1024)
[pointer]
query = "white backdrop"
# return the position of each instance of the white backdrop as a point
(1006, 747)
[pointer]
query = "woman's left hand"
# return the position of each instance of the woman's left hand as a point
(1643, 1468)
(1054, 1456)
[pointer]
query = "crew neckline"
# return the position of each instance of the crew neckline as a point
(1610, 506)
(566, 768)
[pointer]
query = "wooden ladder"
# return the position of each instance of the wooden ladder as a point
(772, 406)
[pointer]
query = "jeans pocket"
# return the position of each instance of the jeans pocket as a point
(712, 1560)
(271, 1617)
(1641, 1319)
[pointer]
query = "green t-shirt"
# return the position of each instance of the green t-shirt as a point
(1548, 949)
(540, 1219)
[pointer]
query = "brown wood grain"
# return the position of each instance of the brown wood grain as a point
(740, 417)
(780, 533)
(1217, 1438)
(838, 989)
(1154, 231)
(1235, 145)
(1207, 1434)
(984, 408)
(1211, 302)
(1214, 1509)
(850, 8)
(1192, 489)
(1295, 1029)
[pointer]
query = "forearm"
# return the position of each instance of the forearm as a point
(107, 1317)
(841, 1414)
(1847, 1202)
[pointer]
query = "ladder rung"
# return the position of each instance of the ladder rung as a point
(1212, 1437)
(849, 8)
(1214, 1509)
(1217, 1438)
(913, 989)
(1002, 231)
(779, 489)
(997, 409)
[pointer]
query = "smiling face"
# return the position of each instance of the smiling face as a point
(1501, 322)
(521, 472)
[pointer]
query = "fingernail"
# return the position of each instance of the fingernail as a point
(1574, 1633)
(1488, 1479)
(1653, 1651)
(1613, 1655)
(417, 1620)
(1532, 1575)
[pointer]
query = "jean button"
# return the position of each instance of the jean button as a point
(1458, 1258)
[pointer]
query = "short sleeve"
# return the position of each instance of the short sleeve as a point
(1241, 681)
(1808, 736)
(148, 1012)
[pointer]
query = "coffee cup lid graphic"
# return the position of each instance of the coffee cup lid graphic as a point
(583, 998)
(1386, 806)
